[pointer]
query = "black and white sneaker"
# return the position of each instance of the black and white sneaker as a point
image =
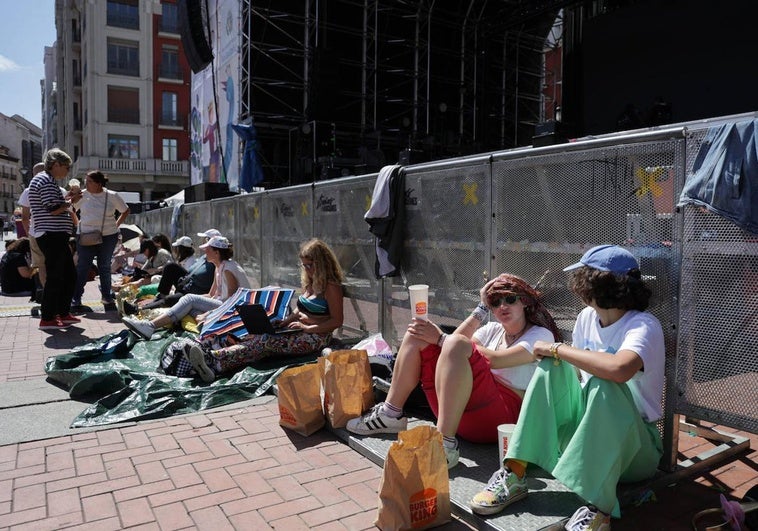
(376, 422)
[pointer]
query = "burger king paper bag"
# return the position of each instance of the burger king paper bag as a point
(414, 492)
(300, 399)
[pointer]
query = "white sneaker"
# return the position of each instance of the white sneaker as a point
(587, 518)
(196, 357)
(376, 422)
(452, 455)
(143, 329)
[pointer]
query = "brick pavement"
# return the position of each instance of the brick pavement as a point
(232, 468)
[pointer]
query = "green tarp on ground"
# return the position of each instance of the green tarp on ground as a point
(119, 372)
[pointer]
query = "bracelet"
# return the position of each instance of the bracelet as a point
(554, 352)
(480, 312)
(441, 340)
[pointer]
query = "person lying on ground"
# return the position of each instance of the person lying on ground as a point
(229, 276)
(319, 312)
(474, 379)
(593, 432)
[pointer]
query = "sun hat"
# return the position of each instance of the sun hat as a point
(607, 258)
(217, 242)
(184, 241)
(210, 233)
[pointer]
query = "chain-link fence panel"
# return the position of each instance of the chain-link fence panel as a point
(717, 367)
(339, 207)
(287, 222)
(248, 229)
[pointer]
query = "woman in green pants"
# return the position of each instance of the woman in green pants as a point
(596, 430)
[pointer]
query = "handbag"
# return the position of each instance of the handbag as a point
(414, 492)
(94, 237)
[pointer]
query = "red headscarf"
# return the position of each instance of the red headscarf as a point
(534, 310)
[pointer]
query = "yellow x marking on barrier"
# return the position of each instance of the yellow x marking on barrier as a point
(304, 208)
(368, 202)
(256, 212)
(470, 197)
(647, 178)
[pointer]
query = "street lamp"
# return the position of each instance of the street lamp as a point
(24, 173)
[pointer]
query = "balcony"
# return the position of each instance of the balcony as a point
(132, 167)
(120, 20)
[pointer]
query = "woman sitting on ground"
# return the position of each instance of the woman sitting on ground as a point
(474, 379)
(16, 276)
(318, 314)
(228, 276)
(590, 433)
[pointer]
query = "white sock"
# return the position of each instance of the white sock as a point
(391, 411)
(450, 442)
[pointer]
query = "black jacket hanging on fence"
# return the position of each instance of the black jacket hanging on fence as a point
(725, 174)
(386, 219)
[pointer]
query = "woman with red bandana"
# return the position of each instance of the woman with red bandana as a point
(474, 378)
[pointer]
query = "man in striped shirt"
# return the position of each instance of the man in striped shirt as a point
(53, 225)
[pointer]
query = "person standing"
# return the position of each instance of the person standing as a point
(38, 259)
(96, 212)
(53, 224)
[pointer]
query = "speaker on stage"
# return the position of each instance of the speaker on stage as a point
(193, 19)
(206, 191)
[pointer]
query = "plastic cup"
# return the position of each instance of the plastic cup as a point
(419, 294)
(504, 432)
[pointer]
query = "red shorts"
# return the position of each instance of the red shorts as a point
(489, 405)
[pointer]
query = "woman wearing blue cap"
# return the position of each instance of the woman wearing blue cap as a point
(596, 430)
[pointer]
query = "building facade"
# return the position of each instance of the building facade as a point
(122, 93)
(20, 149)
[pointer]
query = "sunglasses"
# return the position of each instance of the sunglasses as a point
(507, 299)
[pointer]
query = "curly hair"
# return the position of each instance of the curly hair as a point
(534, 310)
(609, 290)
(326, 267)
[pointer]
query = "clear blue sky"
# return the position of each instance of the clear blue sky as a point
(26, 27)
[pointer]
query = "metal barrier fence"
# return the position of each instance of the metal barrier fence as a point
(530, 212)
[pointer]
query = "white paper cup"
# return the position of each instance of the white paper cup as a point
(419, 294)
(504, 432)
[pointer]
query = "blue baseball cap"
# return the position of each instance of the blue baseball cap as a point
(607, 258)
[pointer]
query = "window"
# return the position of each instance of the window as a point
(170, 18)
(170, 149)
(169, 109)
(123, 147)
(170, 63)
(123, 58)
(123, 14)
(123, 105)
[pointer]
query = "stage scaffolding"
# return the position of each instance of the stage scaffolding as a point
(342, 87)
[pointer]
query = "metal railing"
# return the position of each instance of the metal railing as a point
(531, 212)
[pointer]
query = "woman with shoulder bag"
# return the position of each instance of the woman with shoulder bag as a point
(96, 208)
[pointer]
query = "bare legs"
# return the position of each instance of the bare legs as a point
(453, 379)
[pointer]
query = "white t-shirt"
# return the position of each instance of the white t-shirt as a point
(517, 377)
(237, 271)
(92, 206)
(639, 332)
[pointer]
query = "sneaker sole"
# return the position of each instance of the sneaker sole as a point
(134, 329)
(361, 431)
(55, 327)
(494, 509)
(197, 360)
